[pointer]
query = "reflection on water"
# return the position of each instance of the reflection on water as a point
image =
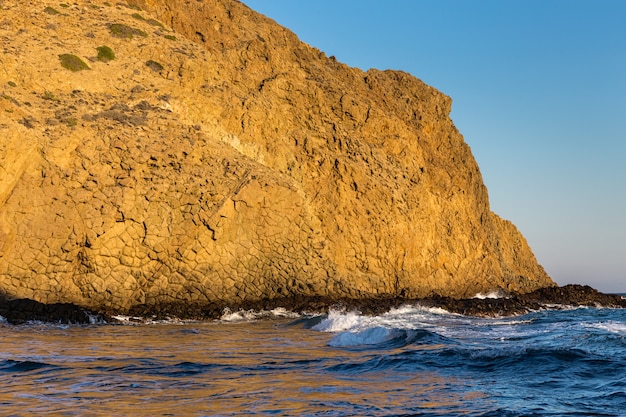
(262, 368)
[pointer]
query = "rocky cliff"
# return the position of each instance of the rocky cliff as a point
(196, 153)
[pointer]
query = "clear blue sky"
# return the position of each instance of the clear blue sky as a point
(539, 93)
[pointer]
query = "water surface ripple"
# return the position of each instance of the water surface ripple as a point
(408, 362)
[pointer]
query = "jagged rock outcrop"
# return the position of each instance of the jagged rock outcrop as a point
(208, 157)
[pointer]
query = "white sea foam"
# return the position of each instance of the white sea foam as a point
(283, 312)
(512, 322)
(353, 329)
(95, 319)
(241, 315)
(250, 315)
(611, 326)
(492, 294)
(128, 319)
(417, 309)
(136, 320)
(338, 321)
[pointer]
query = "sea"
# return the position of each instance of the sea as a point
(410, 361)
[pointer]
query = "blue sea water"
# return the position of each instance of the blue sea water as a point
(411, 361)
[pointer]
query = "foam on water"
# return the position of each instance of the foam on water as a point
(492, 295)
(397, 327)
(338, 321)
(402, 324)
(137, 321)
(230, 316)
(611, 326)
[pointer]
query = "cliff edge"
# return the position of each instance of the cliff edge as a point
(178, 153)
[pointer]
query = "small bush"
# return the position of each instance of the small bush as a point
(48, 95)
(9, 98)
(105, 54)
(154, 66)
(170, 37)
(120, 30)
(12, 84)
(128, 6)
(51, 10)
(154, 22)
(72, 62)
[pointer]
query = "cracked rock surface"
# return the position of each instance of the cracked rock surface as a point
(217, 160)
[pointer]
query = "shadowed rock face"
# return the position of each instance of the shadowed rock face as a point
(217, 160)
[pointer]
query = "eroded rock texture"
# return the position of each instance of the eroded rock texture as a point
(217, 159)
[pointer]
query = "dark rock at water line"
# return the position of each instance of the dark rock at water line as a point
(507, 305)
(24, 310)
(574, 295)
(543, 298)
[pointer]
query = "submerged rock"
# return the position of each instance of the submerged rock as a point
(247, 167)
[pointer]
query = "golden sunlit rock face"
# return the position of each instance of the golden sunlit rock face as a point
(197, 152)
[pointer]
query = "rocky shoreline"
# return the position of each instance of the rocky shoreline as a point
(24, 311)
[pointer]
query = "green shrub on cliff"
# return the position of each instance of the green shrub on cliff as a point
(154, 66)
(152, 22)
(72, 62)
(120, 30)
(51, 10)
(105, 54)
(48, 95)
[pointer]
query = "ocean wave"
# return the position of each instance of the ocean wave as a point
(15, 366)
(396, 328)
(385, 338)
(611, 327)
(410, 317)
(337, 321)
(371, 336)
